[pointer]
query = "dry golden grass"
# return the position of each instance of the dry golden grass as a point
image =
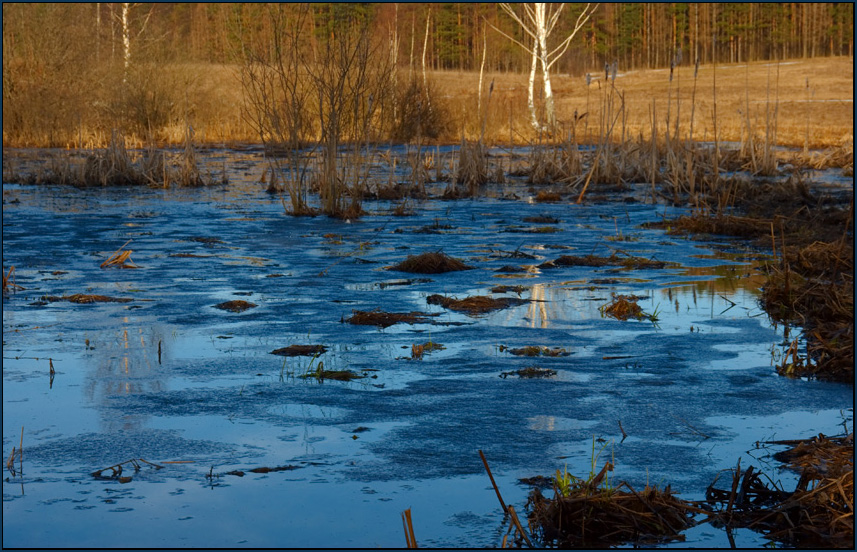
(819, 116)
(828, 105)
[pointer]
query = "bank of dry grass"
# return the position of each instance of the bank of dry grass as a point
(814, 101)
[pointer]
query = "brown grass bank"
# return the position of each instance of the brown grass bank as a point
(813, 101)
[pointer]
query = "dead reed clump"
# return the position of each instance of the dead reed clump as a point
(473, 171)
(814, 287)
(820, 511)
(623, 307)
(120, 259)
(583, 514)
(9, 284)
(383, 319)
(430, 263)
(418, 350)
(116, 470)
(235, 306)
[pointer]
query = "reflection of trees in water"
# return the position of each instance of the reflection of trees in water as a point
(736, 284)
(580, 301)
(125, 362)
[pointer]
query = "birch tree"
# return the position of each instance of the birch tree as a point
(125, 23)
(538, 22)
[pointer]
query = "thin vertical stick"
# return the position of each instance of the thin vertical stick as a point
(517, 523)
(496, 490)
(21, 450)
(410, 539)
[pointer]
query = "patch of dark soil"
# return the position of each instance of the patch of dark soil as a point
(477, 304)
(205, 240)
(263, 469)
(383, 319)
(542, 219)
(235, 306)
(300, 350)
(535, 350)
(628, 262)
(435, 228)
(430, 263)
(532, 230)
(509, 289)
(537, 481)
(517, 254)
(547, 196)
(338, 375)
(512, 269)
(409, 282)
(84, 299)
(530, 372)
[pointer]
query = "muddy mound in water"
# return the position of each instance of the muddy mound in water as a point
(430, 263)
(235, 306)
(478, 304)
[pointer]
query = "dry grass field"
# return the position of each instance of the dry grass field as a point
(820, 115)
(807, 102)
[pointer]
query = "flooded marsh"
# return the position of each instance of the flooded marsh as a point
(346, 382)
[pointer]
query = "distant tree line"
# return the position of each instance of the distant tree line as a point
(639, 35)
(68, 65)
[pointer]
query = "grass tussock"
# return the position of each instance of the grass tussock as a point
(623, 307)
(591, 513)
(430, 263)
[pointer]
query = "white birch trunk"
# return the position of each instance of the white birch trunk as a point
(541, 24)
(126, 37)
(425, 47)
(481, 72)
(531, 94)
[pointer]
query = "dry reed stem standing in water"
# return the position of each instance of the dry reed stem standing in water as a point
(410, 539)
